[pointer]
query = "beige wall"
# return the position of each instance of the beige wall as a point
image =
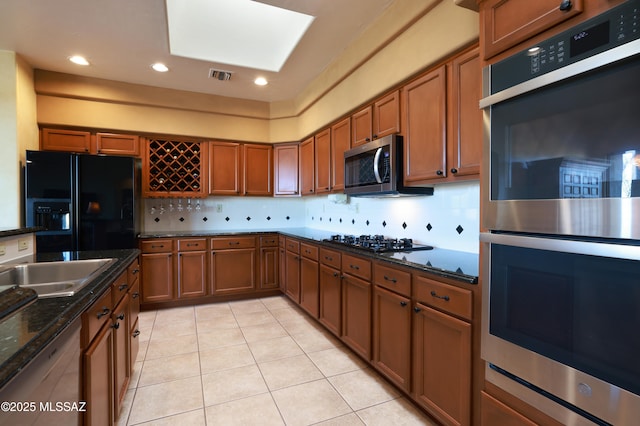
(408, 38)
(18, 132)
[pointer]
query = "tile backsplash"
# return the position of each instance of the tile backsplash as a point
(448, 219)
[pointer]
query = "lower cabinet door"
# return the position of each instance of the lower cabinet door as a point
(309, 286)
(292, 280)
(121, 357)
(356, 315)
(233, 271)
(392, 336)
(157, 277)
(442, 365)
(330, 299)
(192, 277)
(98, 379)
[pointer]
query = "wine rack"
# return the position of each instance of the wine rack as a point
(175, 168)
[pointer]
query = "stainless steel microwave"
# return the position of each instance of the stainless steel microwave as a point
(374, 169)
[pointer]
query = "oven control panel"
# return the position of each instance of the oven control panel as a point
(613, 28)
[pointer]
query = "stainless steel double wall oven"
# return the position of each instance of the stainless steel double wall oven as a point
(561, 206)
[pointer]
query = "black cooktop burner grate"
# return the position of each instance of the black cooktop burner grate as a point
(377, 243)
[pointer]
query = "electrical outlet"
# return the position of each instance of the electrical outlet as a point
(23, 244)
(218, 208)
(3, 249)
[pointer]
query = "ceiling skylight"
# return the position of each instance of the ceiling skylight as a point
(237, 32)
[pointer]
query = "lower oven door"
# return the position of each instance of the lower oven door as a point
(561, 325)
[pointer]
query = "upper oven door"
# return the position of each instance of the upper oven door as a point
(562, 136)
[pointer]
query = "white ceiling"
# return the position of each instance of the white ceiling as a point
(122, 38)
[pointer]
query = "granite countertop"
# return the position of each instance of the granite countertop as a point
(8, 232)
(458, 265)
(27, 332)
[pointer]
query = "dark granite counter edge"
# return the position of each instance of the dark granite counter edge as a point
(20, 231)
(468, 279)
(81, 302)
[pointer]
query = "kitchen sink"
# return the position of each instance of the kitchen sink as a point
(53, 279)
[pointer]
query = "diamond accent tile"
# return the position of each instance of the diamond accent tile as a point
(384, 223)
(367, 222)
(204, 219)
(248, 218)
(353, 221)
(288, 217)
(429, 227)
(227, 219)
(268, 217)
(181, 219)
(157, 219)
(459, 229)
(404, 225)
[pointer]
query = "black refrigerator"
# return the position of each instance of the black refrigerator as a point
(84, 202)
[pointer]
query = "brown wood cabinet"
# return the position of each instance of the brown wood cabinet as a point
(269, 275)
(442, 123)
(307, 168)
(356, 304)
(330, 291)
(98, 378)
(309, 278)
(257, 169)
(292, 269)
(494, 412)
(505, 23)
(157, 267)
(192, 270)
(225, 168)
(376, 120)
(285, 163)
(175, 168)
(282, 263)
(121, 358)
(340, 142)
(322, 145)
(442, 350)
(392, 324)
(81, 141)
(233, 265)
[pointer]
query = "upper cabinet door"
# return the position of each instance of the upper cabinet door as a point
(257, 169)
(340, 142)
(307, 172)
(323, 161)
(424, 127)
(225, 165)
(505, 23)
(464, 139)
(116, 144)
(286, 169)
(361, 125)
(386, 115)
(65, 140)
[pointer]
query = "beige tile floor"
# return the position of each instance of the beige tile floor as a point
(253, 362)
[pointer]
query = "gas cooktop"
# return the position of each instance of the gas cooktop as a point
(377, 243)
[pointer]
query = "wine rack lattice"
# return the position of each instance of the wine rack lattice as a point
(174, 166)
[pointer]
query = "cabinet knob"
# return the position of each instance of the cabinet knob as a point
(565, 5)
(136, 333)
(439, 172)
(135, 295)
(367, 139)
(454, 170)
(416, 309)
(105, 311)
(403, 303)
(122, 287)
(335, 274)
(116, 326)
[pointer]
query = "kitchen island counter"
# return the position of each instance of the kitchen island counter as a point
(26, 333)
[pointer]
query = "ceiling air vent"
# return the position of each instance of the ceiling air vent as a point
(219, 74)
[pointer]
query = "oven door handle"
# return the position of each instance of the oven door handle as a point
(605, 58)
(376, 169)
(590, 248)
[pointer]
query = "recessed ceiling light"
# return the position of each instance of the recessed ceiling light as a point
(160, 67)
(261, 81)
(78, 60)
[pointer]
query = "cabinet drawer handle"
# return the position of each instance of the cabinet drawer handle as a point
(120, 317)
(116, 326)
(136, 333)
(135, 271)
(434, 294)
(356, 267)
(122, 287)
(393, 280)
(160, 246)
(105, 311)
(135, 295)
(335, 274)
(192, 245)
(403, 303)
(328, 258)
(234, 243)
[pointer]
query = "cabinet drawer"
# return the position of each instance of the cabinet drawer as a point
(448, 298)
(269, 241)
(293, 245)
(199, 244)
(232, 243)
(357, 267)
(95, 317)
(309, 251)
(156, 246)
(133, 272)
(330, 258)
(134, 301)
(119, 288)
(392, 279)
(281, 241)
